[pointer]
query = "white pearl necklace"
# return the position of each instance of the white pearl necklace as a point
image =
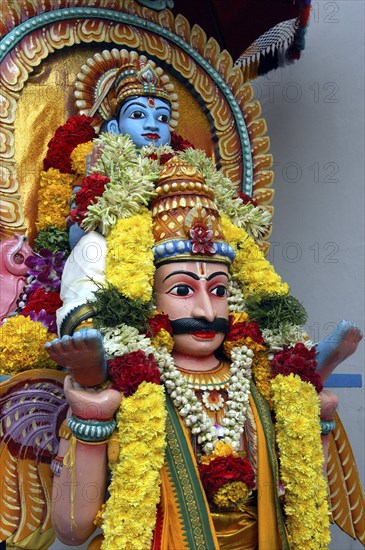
(191, 410)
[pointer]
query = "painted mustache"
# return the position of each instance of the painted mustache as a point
(185, 325)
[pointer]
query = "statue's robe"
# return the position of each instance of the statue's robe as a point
(184, 519)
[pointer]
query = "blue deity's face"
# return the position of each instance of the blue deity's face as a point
(146, 120)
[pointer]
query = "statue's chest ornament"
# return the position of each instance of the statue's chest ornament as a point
(213, 404)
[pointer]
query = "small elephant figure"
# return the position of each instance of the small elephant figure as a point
(13, 253)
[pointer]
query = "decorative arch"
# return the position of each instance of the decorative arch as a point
(238, 131)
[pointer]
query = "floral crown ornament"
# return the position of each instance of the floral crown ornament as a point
(186, 221)
(110, 77)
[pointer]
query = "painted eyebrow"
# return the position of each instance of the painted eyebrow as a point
(194, 275)
(216, 273)
(132, 104)
(165, 107)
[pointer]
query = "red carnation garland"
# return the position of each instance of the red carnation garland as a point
(298, 360)
(243, 330)
(157, 323)
(75, 131)
(130, 370)
(92, 186)
(41, 299)
(223, 470)
(177, 143)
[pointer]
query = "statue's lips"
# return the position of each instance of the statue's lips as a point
(151, 136)
(205, 335)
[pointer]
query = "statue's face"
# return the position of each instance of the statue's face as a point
(146, 120)
(194, 291)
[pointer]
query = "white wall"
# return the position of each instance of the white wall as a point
(315, 115)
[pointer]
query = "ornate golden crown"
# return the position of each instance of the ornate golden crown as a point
(109, 77)
(186, 221)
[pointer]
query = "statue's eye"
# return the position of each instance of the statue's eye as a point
(219, 291)
(163, 118)
(18, 258)
(181, 290)
(136, 114)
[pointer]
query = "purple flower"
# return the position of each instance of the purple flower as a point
(47, 320)
(45, 270)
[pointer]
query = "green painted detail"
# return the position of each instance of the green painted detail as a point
(38, 21)
(193, 510)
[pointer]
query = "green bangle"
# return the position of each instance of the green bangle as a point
(327, 426)
(91, 430)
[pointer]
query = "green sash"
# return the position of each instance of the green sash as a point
(193, 508)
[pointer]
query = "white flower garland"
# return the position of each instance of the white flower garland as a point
(236, 301)
(286, 335)
(123, 339)
(191, 410)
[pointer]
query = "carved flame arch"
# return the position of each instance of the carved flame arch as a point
(239, 138)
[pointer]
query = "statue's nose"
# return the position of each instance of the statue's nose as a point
(150, 122)
(203, 308)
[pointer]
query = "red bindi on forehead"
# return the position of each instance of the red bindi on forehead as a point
(201, 269)
(151, 101)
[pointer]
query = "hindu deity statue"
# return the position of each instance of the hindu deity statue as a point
(194, 420)
(220, 474)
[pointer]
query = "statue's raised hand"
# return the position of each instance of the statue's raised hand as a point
(82, 354)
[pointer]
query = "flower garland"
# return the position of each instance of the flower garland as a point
(132, 174)
(131, 184)
(301, 462)
(91, 187)
(76, 130)
(228, 479)
(54, 195)
(22, 345)
(130, 514)
(131, 241)
(191, 410)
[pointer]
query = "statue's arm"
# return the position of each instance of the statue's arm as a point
(79, 491)
(76, 503)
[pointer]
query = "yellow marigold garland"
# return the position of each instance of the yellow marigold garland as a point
(239, 317)
(296, 406)
(78, 157)
(232, 495)
(250, 267)
(129, 264)
(163, 338)
(22, 345)
(130, 514)
(55, 192)
(261, 372)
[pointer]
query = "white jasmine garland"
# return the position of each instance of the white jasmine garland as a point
(158, 151)
(236, 301)
(286, 335)
(123, 339)
(190, 408)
